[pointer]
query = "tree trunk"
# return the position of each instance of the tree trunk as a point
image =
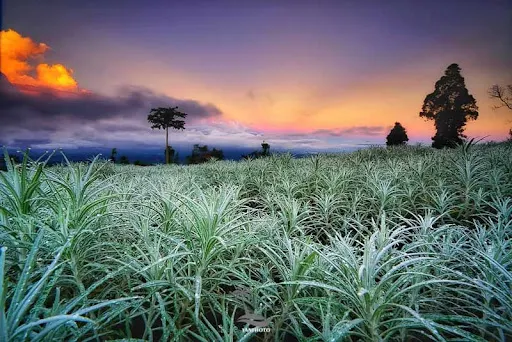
(167, 145)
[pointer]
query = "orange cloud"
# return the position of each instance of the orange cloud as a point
(18, 53)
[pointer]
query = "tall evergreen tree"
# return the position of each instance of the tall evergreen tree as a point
(450, 106)
(397, 135)
(165, 118)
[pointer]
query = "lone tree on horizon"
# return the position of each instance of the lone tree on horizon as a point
(397, 135)
(450, 106)
(165, 118)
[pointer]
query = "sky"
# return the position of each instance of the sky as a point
(317, 75)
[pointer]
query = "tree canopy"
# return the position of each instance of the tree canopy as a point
(397, 135)
(450, 106)
(165, 118)
(258, 154)
(265, 147)
(201, 154)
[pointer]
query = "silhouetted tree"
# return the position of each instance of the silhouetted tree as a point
(258, 154)
(266, 148)
(113, 155)
(503, 95)
(173, 155)
(450, 106)
(218, 154)
(201, 154)
(124, 160)
(397, 135)
(165, 118)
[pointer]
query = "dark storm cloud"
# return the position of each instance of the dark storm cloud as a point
(36, 109)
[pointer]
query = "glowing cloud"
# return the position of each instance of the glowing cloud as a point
(16, 55)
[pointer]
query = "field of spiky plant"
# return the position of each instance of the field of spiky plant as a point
(401, 244)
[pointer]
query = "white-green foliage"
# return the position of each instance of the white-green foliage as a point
(403, 243)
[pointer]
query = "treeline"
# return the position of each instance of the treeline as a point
(200, 154)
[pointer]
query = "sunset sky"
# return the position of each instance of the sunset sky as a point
(306, 74)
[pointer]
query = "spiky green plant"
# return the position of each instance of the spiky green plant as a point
(408, 243)
(23, 314)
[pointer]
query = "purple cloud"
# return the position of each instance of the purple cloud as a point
(46, 111)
